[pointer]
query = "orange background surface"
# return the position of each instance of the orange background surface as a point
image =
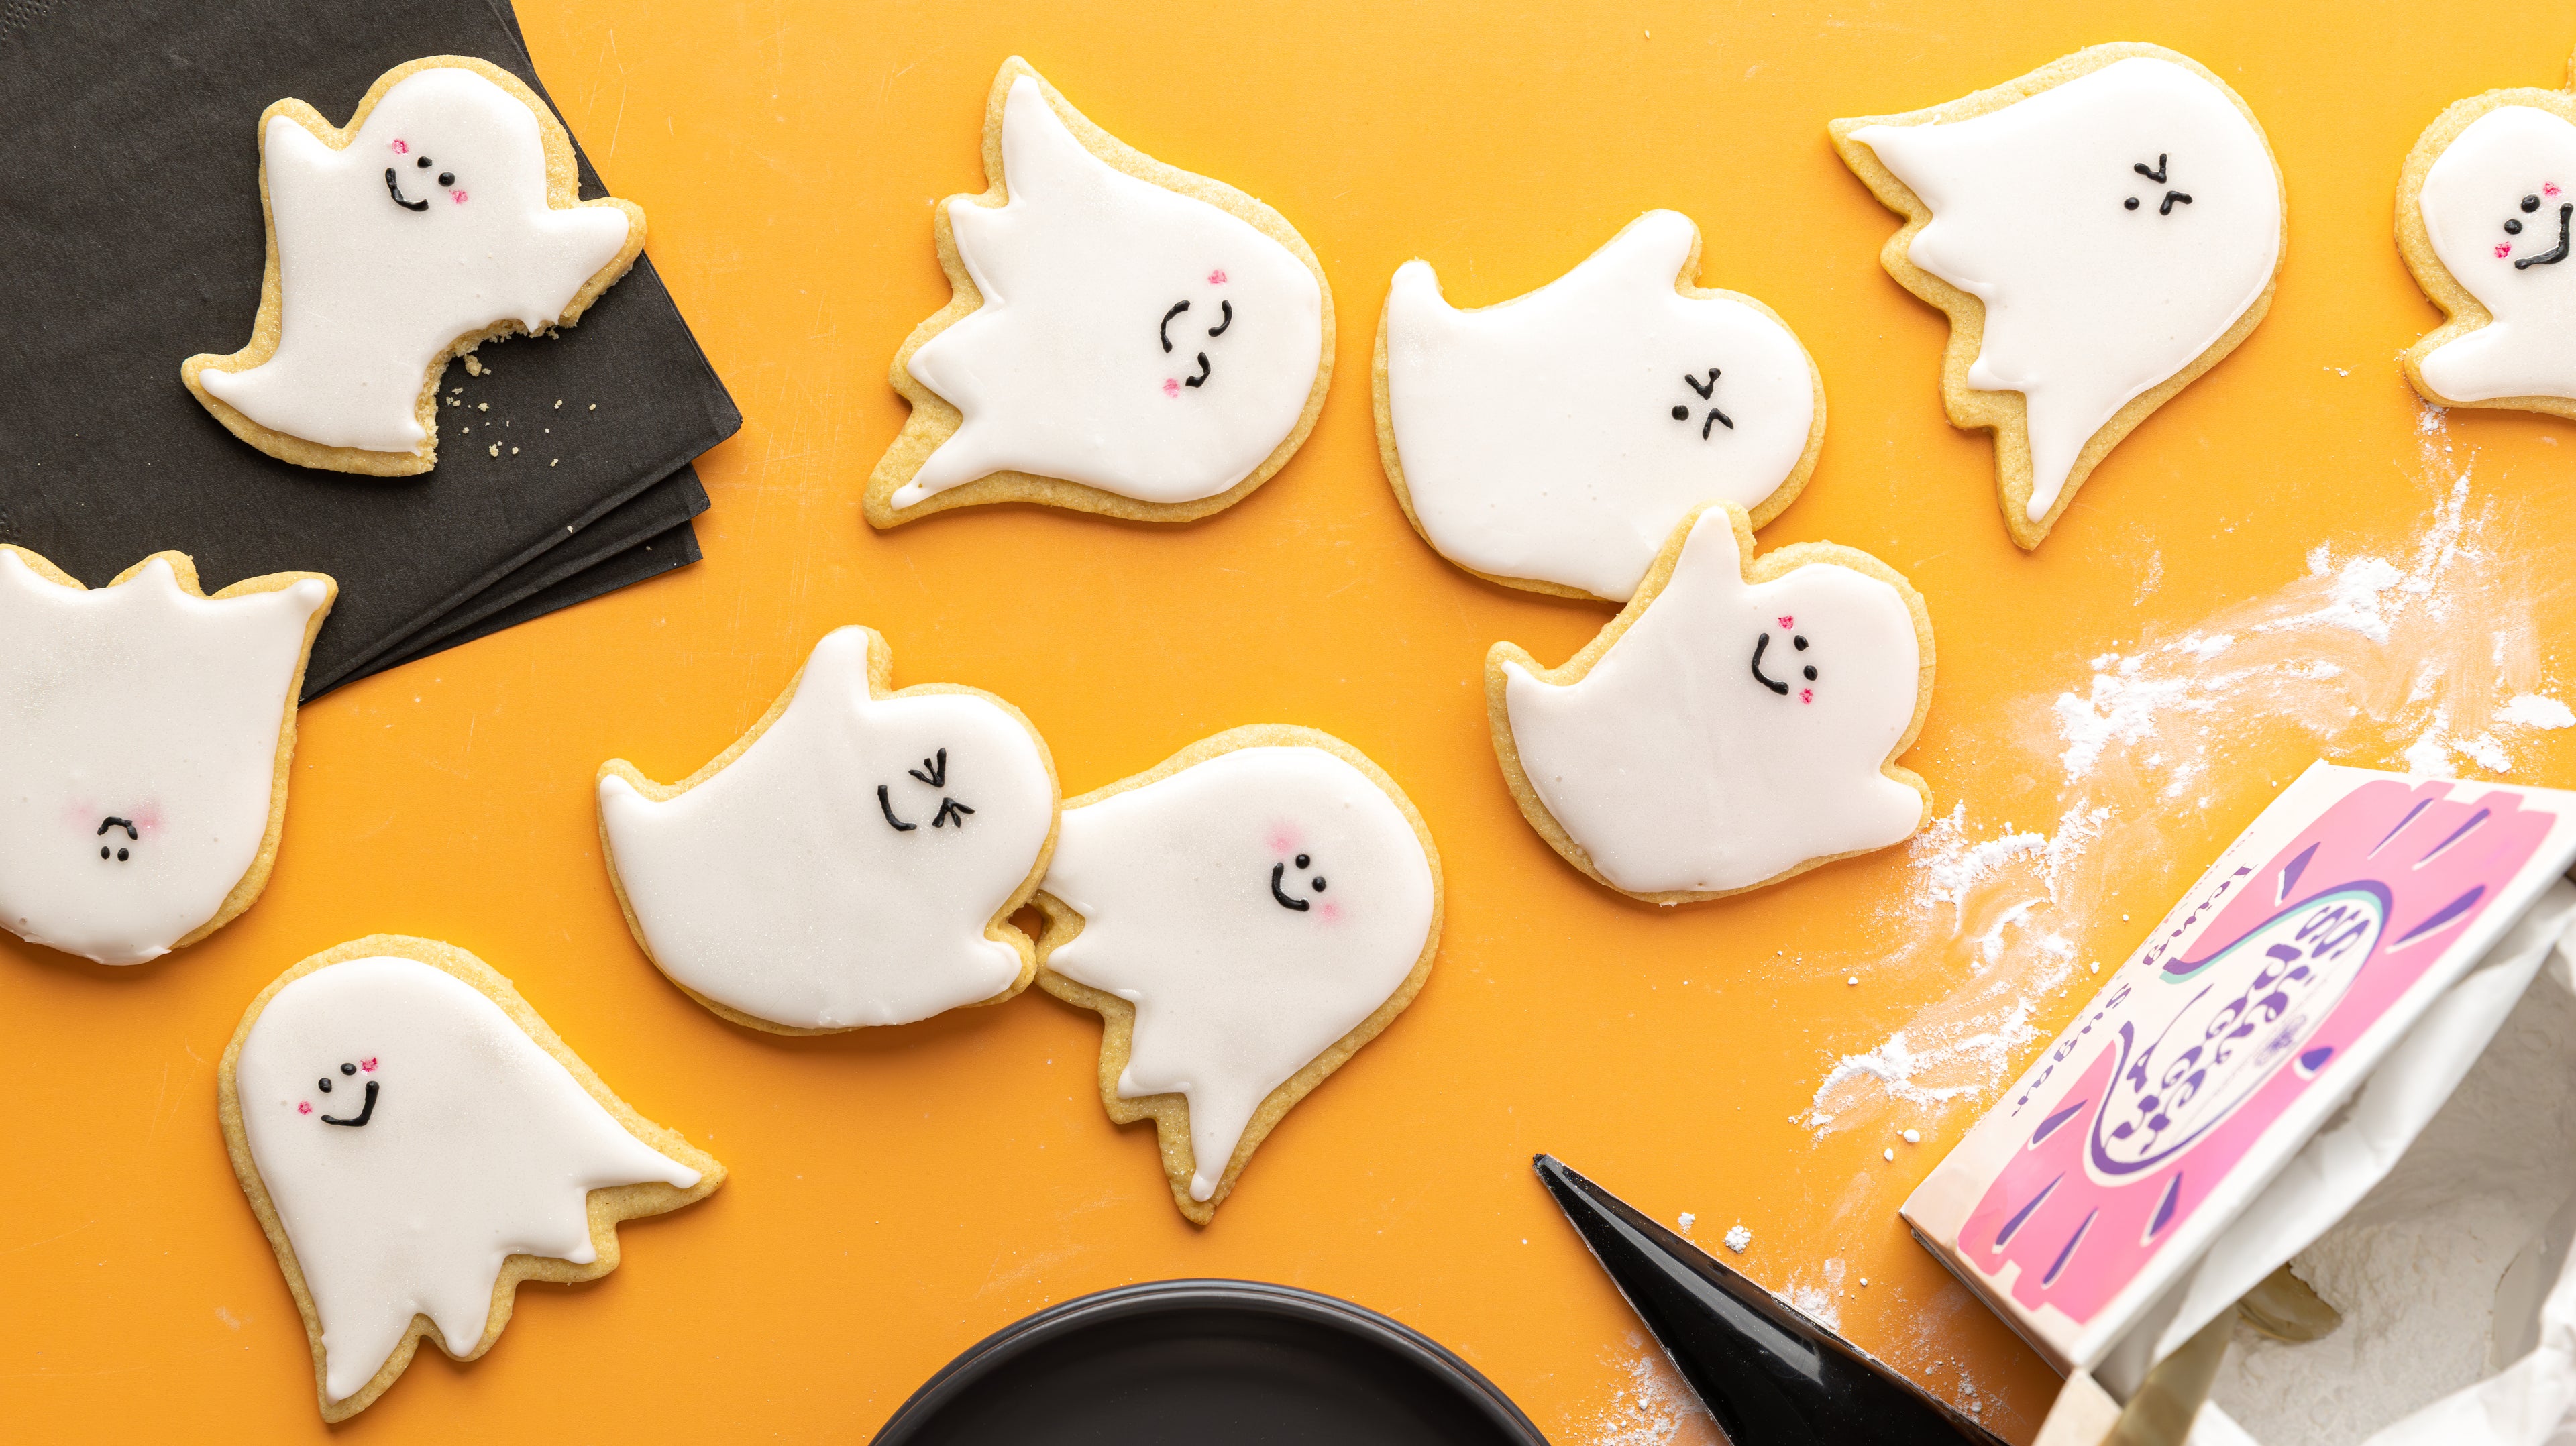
(897, 1194)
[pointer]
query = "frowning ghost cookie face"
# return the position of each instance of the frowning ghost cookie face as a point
(2114, 222)
(1735, 731)
(1559, 436)
(440, 215)
(2496, 206)
(143, 728)
(1143, 340)
(410, 1136)
(854, 863)
(1256, 900)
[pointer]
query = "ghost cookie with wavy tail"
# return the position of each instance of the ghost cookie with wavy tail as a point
(145, 735)
(2483, 217)
(1124, 338)
(1737, 724)
(2101, 231)
(1550, 442)
(415, 1143)
(853, 860)
(1243, 916)
(447, 213)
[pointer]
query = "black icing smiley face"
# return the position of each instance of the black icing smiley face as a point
(1705, 391)
(1796, 671)
(2535, 207)
(352, 1099)
(414, 178)
(1182, 318)
(113, 847)
(1283, 887)
(2163, 171)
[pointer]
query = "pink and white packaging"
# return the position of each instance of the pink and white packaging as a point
(2253, 1069)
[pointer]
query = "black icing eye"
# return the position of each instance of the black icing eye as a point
(120, 856)
(325, 1083)
(2531, 203)
(424, 163)
(1302, 861)
(102, 851)
(1799, 643)
(1681, 414)
(348, 1069)
(2130, 204)
(1811, 673)
(447, 178)
(1319, 883)
(2512, 228)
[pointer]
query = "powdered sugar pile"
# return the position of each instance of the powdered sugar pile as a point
(2429, 660)
(1652, 1407)
(2414, 1268)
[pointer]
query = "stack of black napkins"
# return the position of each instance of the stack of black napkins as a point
(131, 239)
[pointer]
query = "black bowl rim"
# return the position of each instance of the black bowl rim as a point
(1105, 1308)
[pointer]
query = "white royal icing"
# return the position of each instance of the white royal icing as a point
(1063, 371)
(784, 887)
(2088, 301)
(2510, 155)
(1562, 436)
(1179, 884)
(478, 1144)
(140, 720)
(372, 292)
(1679, 770)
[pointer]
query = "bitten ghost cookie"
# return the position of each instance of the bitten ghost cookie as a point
(852, 860)
(1125, 337)
(1552, 441)
(2483, 212)
(1243, 916)
(145, 733)
(415, 1142)
(1739, 721)
(447, 213)
(2101, 231)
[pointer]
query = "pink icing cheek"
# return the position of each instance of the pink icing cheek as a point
(1286, 838)
(1171, 386)
(304, 1107)
(457, 196)
(1330, 913)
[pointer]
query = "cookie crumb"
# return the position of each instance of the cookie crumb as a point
(482, 406)
(558, 404)
(515, 452)
(555, 462)
(496, 449)
(594, 406)
(473, 368)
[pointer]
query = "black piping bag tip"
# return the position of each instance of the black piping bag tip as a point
(1768, 1374)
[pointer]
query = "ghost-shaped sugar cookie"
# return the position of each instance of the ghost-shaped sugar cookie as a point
(415, 1142)
(145, 732)
(2483, 215)
(447, 213)
(1739, 721)
(2101, 231)
(1243, 916)
(853, 860)
(1552, 441)
(1124, 338)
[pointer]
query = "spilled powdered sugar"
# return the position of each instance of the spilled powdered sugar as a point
(1651, 1407)
(2427, 660)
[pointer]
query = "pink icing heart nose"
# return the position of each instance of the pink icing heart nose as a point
(457, 196)
(1788, 622)
(368, 1064)
(1806, 695)
(1216, 278)
(402, 148)
(304, 1107)
(2504, 248)
(1171, 386)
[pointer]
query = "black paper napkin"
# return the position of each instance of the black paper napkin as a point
(131, 238)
